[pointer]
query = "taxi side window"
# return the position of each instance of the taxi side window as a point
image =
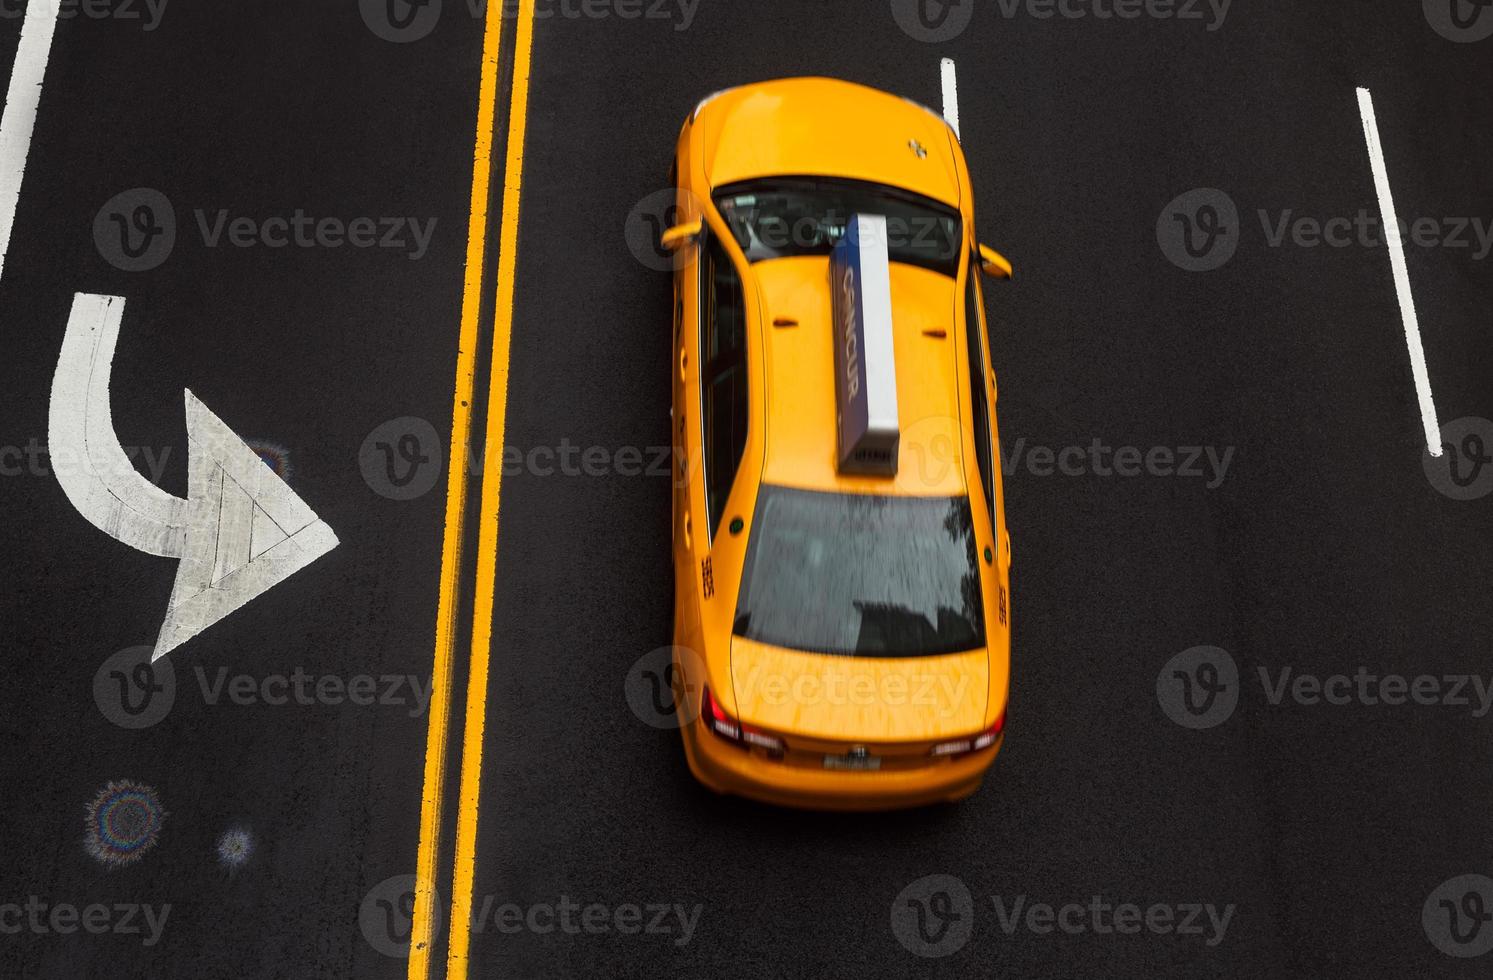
(723, 377)
(979, 387)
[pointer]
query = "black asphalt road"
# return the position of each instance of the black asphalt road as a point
(261, 110)
(1316, 834)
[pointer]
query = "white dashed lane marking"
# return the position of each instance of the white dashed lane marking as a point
(21, 100)
(950, 93)
(1391, 225)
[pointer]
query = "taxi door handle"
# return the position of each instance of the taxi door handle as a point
(683, 362)
(689, 541)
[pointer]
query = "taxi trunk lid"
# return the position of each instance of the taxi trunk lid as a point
(859, 699)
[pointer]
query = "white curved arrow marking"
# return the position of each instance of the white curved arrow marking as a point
(240, 531)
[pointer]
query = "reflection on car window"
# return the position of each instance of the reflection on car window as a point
(861, 575)
(776, 218)
(979, 402)
(723, 378)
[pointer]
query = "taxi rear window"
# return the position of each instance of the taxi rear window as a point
(861, 575)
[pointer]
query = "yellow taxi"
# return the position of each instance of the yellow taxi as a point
(842, 624)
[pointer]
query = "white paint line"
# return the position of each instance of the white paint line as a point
(1391, 224)
(99, 478)
(950, 93)
(21, 100)
(241, 529)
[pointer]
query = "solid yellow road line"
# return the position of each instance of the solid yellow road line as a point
(492, 473)
(422, 930)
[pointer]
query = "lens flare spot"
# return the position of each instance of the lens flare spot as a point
(273, 455)
(123, 822)
(235, 848)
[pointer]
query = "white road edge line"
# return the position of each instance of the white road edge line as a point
(1396, 245)
(950, 94)
(21, 100)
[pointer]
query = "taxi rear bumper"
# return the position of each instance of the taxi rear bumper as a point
(732, 769)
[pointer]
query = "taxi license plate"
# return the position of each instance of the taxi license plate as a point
(860, 763)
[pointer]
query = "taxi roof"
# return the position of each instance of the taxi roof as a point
(800, 447)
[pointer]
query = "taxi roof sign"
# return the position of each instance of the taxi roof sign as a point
(865, 362)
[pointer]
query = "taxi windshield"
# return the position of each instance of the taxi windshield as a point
(861, 575)
(785, 216)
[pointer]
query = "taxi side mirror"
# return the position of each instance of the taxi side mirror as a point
(994, 264)
(679, 236)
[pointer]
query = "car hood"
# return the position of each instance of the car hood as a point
(826, 127)
(859, 699)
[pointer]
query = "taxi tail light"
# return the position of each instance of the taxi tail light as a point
(961, 746)
(717, 720)
(728, 728)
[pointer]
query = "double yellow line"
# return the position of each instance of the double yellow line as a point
(424, 916)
